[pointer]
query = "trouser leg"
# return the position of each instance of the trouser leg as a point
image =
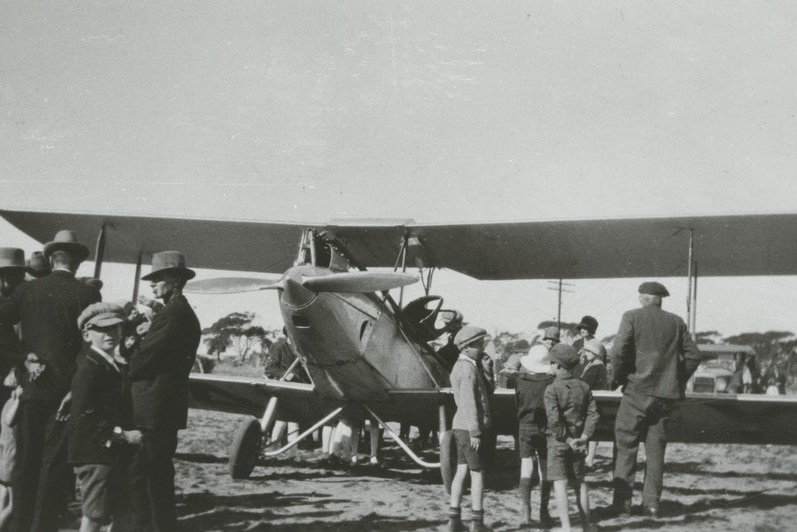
(152, 481)
(56, 478)
(655, 447)
(30, 426)
(628, 425)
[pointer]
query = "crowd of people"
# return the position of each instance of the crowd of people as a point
(652, 358)
(94, 392)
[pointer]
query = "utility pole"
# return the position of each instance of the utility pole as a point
(560, 287)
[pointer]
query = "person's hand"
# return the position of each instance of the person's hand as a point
(10, 380)
(143, 327)
(63, 410)
(475, 442)
(132, 437)
(578, 445)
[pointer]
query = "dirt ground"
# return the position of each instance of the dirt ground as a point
(707, 487)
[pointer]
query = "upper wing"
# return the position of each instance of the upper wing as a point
(570, 249)
(215, 244)
(577, 249)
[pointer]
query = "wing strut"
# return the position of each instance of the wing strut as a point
(99, 251)
(404, 447)
(136, 281)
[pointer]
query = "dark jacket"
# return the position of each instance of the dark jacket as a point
(571, 409)
(159, 368)
(10, 347)
(281, 355)
(47, 310)
(595, 375)
(653, 353)
(530, 400)
(96, 409)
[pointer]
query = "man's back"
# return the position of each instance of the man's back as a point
(653, 352)
(47, 310)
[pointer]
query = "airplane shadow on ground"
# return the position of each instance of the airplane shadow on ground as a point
(205, 512)
(698, 468)
(691, 514)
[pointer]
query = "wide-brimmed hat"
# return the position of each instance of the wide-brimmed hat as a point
(101, 315)
(12, 259)
(589, 323)
(38, 265)
(169, 261)
(537, 360)
(66, 240)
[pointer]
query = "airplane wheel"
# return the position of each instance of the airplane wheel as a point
(245, 449)
(448, 458)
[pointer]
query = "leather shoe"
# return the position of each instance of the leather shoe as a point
(621, 508)
(652, 511)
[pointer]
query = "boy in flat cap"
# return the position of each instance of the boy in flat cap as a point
(652, 358)
(95, 430)
(572, 417)
(471, 422)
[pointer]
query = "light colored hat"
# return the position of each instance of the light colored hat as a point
(169, 261)
(595, 347)
(12, 258)
(66, 240)
(101, 315)
(537, 360)
(467, 335)
(38, 265)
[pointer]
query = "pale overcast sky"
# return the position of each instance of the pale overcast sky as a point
(437, 111)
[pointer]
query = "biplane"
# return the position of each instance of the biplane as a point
(370, 355)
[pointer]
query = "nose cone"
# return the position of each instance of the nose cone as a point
(293, 294)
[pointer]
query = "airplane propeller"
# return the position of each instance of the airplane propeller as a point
(229, 285)
(356, 282)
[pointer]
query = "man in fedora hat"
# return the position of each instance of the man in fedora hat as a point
(47, 310)
(652, 358)
(159, 369)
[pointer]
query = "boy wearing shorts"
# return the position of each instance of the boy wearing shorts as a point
(533, 379)
(572, 416)
(471, 422)
(95, 433)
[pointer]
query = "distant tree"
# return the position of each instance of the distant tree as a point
(217, 344)
(234, 330)
(707, 337)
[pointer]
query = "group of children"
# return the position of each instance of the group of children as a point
(557, 416)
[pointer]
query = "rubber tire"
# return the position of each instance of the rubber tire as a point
(448, 458)
(245, 449)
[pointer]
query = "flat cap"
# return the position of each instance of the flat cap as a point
(653, 288)
(551, 333)
(565, 355)
(101, 315)
(467, 335)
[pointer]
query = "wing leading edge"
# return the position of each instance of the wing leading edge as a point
(570, 249)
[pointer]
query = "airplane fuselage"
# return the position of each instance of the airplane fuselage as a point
(352, 343)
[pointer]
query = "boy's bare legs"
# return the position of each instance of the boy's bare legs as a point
(526, 472)
(458, 485)
(476, 490)
(582, 501)
(560, 492)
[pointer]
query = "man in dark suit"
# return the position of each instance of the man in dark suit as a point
(652, 358)
(159, 370)
(47, 310)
